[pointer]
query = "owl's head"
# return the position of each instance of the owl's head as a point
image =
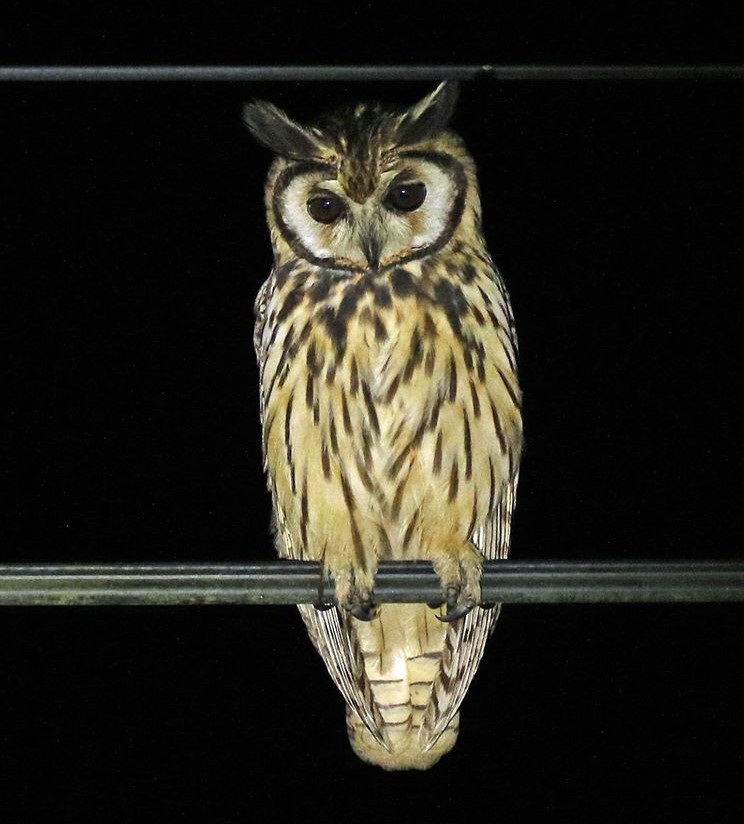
(365, 189)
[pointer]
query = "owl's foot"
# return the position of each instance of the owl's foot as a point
(460, 579)
(361, 604)
(458, 601)
(356, 598)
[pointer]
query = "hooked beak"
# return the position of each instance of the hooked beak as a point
(371, 242)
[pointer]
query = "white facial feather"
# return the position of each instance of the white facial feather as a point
(401, 232)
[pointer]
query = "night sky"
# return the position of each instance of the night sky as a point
(135, 243)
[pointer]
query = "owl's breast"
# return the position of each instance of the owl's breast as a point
(394, 400)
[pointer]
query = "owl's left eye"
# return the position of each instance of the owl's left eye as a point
(406, 197)
(325, 208)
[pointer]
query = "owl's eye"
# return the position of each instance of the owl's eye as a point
(406, 197)
(325, 208)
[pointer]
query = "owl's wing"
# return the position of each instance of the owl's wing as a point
(331, 633)
(466, 639)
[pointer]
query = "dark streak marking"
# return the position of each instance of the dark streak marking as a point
(320, 290)
(402, 283)
(437, 466)
(345, 414)
(409, 531)
(497, 426)
(430, 328)
(336, 330)
(431, 357)
(288, 437)
(452, 377)
(385, 545)
(380, 329)
(316, 412)
(434, 417)
(356, 540)
(333, 436)
(509, 353)
(313, 364)
(364, 475)
(325, 460)
(330, 373)
(303, 336)
(291, 302)
(366, 445)
(476, 400)
(482, 369)
(348, 496)
(392, 389)
(354, 379)
(416, 356)
(371, 411)
(347, 308)
(303, 515)
(467, 357)
(283, 272)
(478, 315)
(398, 499)
(382, 297)
(454, 481)
(492, 486)
(451, 299)
(467, 443)
(468, 273)
(508, 387)
(398, 463)
(309, 391)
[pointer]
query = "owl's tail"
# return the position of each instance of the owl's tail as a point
(402, 651)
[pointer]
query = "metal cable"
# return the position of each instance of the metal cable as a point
(293, 582)
(66, 74)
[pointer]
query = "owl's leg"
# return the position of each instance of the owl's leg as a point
(459, 571)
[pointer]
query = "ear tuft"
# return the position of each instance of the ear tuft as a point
(431, 115)
(276, 131)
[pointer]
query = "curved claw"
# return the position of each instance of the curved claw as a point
(455, 613)
(458, 604)
(322, 603)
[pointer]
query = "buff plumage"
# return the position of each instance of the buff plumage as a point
(390, 404)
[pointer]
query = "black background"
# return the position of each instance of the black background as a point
(135, 244)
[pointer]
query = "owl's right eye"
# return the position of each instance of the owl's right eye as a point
(325, 208)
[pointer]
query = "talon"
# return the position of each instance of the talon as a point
(322, 603)
(456, 613)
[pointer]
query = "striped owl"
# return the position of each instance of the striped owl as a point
(390, 404)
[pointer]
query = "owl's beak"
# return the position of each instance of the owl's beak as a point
(371, 241)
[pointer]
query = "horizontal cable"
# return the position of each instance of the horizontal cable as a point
(298, 582)
(76, 74)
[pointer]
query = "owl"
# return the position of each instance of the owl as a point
(390, 404)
